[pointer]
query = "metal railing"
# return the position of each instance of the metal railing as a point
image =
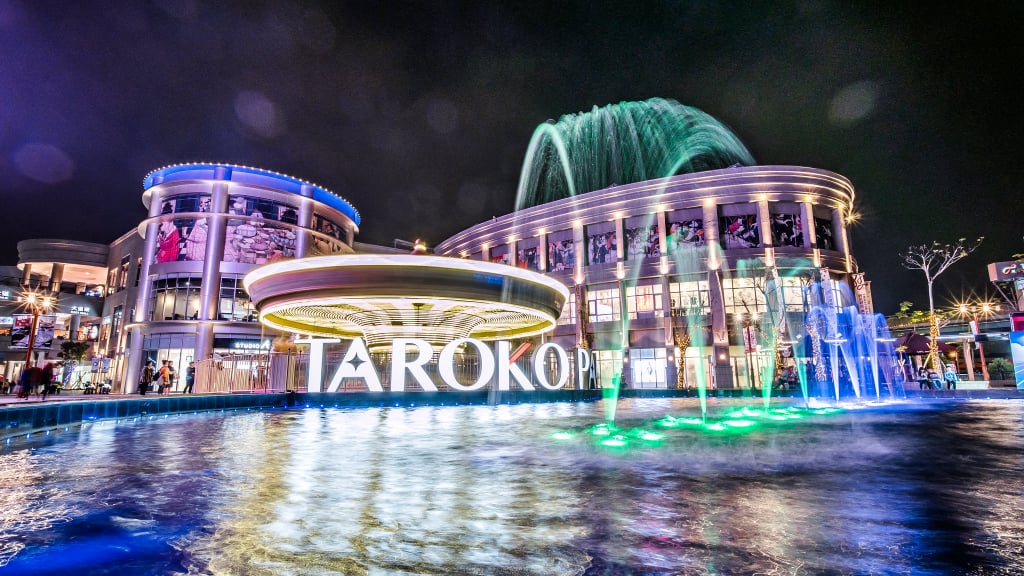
(268, 372)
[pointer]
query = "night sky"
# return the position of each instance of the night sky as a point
(419, 113)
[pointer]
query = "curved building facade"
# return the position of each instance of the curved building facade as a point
(208, 226)
(686, 256)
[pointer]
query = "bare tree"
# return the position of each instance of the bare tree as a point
(934, 259)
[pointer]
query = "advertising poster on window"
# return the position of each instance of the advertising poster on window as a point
(44, 331)
(255, 238)
(183, 239)
(642, 242)
(601, 248)
(1017, 353)
(500, 256)
(20, 331)
(786, 230)
(823, 233)
(561, 255)
(740, 232)
(685, 235)
(528, 258)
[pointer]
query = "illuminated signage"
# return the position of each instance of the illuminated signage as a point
(6, 320)
(495, 365)
(5, 294)
(242, 344)
(1003, 271)
(82, 310)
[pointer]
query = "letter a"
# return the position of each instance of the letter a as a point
(356, 364)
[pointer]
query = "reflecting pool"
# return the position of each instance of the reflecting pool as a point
(910, 488)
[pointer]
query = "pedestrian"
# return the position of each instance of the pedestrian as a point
(935, 379)
(922, 377)
(46, 378)
(171, 376)
(190, 378)
(161, 377)
(147, 377)
(950, 377)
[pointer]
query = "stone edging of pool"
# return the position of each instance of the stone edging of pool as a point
(17, 419)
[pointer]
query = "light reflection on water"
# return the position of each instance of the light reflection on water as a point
(926, 488)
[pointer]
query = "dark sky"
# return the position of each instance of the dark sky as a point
(419, 113)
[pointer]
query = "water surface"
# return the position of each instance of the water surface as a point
(916, 488)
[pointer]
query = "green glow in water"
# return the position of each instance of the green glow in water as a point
(740, 423)
(562, 436)
(614, 442)
(715, 426)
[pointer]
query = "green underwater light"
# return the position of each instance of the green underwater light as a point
(562, 436)
(614, 442)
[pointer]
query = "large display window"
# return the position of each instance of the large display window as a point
(561, 251)
(647, 367)
(644, 301)
(685, 231)
(603, 305)
(642, 239)
(176, 297)
(602, 244)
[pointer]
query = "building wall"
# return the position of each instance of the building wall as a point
(683, 254)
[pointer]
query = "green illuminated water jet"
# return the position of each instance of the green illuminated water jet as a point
(621, 144)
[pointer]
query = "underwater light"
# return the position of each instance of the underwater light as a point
(614, 442)
(715, 426)
(739, 423)
(562, 436)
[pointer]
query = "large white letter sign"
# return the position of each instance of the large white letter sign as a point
(399, 364)
(315, 374)
(582, 365)
(361, 368)
(505, 368)
(563, 365)
(446, 364)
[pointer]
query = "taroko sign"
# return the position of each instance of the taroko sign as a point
(495, 365)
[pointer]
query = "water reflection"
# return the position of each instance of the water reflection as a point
(915, 489)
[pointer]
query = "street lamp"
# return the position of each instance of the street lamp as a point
(972, 310)
(38, 303)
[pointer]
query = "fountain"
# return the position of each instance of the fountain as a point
(623, 143)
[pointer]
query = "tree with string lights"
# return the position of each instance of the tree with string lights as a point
(934, 259)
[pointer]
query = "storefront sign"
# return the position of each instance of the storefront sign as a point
(1004, 271)
(494, 364)
(5, 294)
(241, 344)
(81, 310)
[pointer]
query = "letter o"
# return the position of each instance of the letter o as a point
(563, 365)
(446, 364)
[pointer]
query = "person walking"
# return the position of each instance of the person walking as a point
(46, 379)
(190, 378)
(161, 377)
(147, 377)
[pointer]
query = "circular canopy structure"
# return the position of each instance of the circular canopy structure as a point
(382, 297)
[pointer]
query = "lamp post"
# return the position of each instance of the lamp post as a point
(38, 303)
(971, 310)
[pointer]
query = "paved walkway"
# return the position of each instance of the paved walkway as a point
(66, 396)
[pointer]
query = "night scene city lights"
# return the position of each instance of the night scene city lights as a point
(419, 288)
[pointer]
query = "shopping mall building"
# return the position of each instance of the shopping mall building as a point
(650, 259)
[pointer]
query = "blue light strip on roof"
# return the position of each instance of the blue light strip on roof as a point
(281, 181)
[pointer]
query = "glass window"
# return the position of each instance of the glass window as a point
(740, 231)
(642, 242)
(787, 230)
(528, 256)
(603, 305)
(176, 297)
(234, 302)
(569, 310)
(741, 296)
(644, 301)
(684, 234)
(823, 233)
(609, 365)
(602, 248)
(122, 273)
(647, 367)
(690, 298)
(561, 251)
